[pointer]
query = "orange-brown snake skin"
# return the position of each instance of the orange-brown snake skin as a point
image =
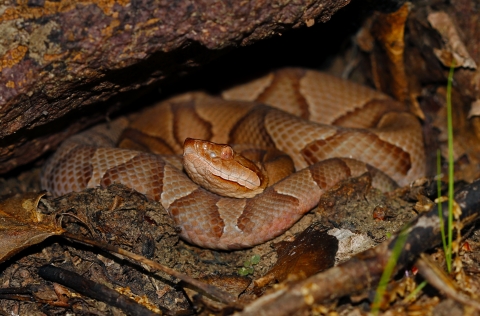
(330, 128)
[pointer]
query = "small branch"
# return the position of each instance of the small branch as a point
(213, 291)
(94, 290)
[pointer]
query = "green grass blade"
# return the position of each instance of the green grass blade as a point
(440, 209)
(416, 291)
(450, 167)
(389, 268)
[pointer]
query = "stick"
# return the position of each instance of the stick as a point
(94, 290)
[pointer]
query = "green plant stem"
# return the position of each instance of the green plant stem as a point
(416, 291)
(450, 167)
(439, 195)
(389, 267)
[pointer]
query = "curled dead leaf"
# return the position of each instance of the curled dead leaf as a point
(474, 109)
(21, 225)
(389, 30)
(454, 48)
(312, 251)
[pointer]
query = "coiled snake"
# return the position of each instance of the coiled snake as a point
(329, 127)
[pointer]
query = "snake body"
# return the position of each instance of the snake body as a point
(331, 128)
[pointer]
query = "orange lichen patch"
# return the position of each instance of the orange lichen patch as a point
(9, 14)
(22, 10)
(13, 56)
(77, 57)
(151, 22)
(108, 31)
(148, 27)
(22, 82)
(10, 84)
(107, 5)
(52, 57)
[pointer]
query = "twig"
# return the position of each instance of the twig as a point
(92, 289)
(213, 291)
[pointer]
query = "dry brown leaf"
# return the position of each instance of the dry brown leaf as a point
(454, 47)
(21, 225)
(364, 37)
(311, 252)
(389, 30)
(474, 109)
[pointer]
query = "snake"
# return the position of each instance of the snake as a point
(330, 129)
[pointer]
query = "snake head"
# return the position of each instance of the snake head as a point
(219, 169)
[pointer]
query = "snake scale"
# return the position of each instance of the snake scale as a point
(331, 128)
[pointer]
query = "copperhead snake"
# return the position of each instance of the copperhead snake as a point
(328, 126)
